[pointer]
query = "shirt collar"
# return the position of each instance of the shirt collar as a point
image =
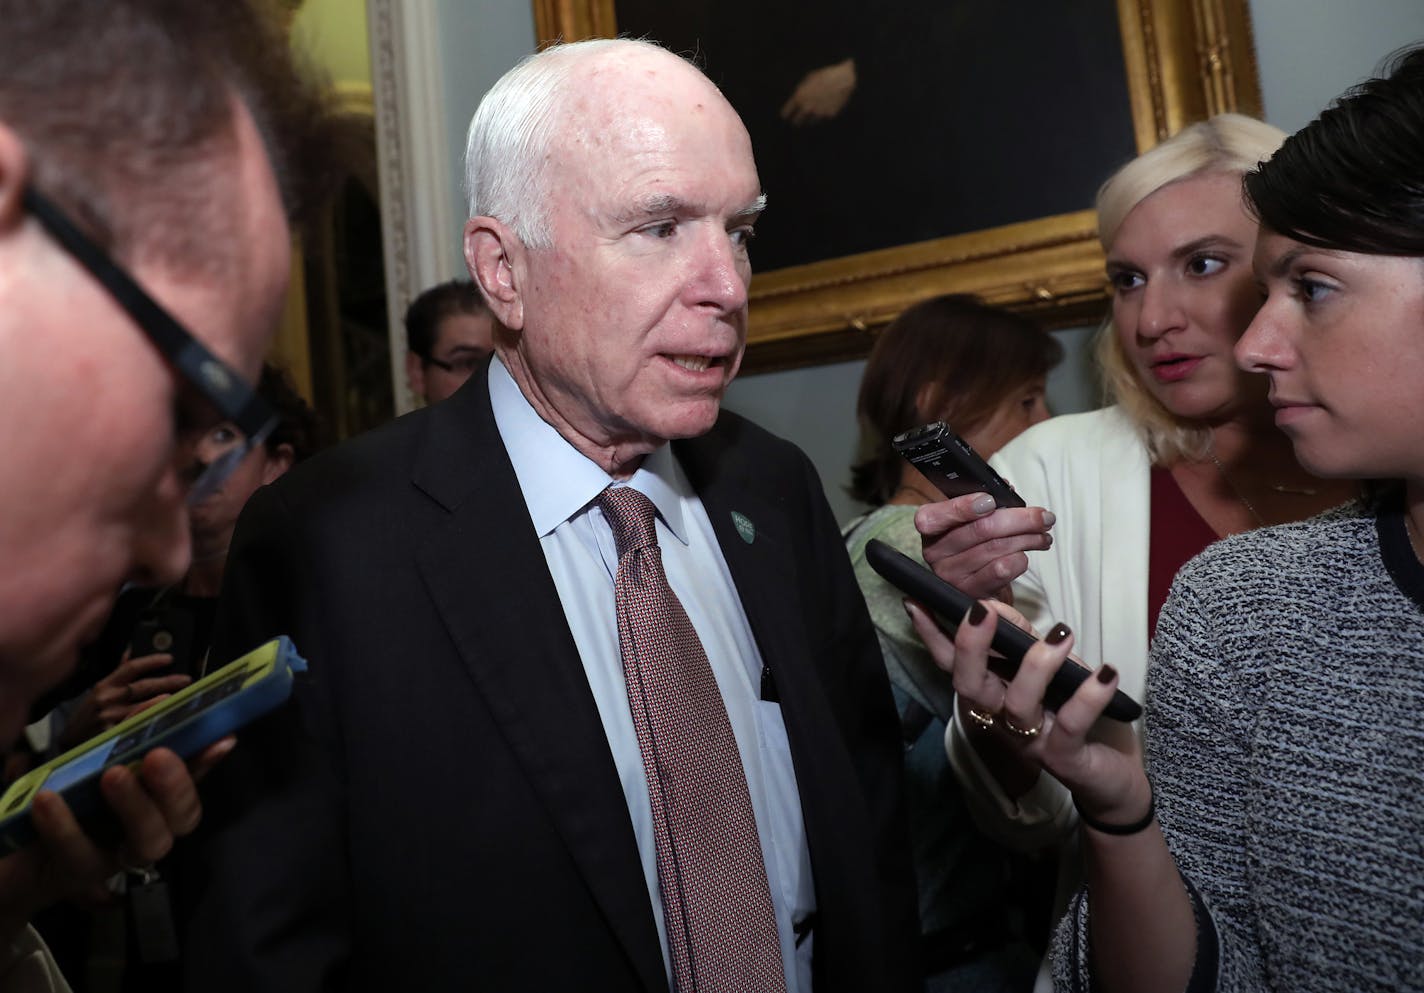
(558, 481)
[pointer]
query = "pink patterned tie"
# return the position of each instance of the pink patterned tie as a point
(720, 924)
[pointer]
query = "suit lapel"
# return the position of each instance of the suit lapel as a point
(487, 576)
(752, 531)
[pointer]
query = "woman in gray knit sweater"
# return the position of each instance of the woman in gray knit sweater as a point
(1286, 695)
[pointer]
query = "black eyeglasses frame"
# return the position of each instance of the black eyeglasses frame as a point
(218, 383)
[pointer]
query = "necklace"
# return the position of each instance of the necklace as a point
(1235, 489)
(924, 497)
(1296, 490)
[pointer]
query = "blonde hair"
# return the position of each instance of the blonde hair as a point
(1230, 144)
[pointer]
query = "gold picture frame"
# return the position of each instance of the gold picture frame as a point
(1185, 60)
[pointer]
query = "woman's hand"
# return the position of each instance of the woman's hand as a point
(978, 548)
(125, 691)
(1100, 762)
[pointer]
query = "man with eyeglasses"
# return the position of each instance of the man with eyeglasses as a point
(149, 156)
(449, 332)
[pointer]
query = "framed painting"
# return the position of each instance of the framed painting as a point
(936, 146)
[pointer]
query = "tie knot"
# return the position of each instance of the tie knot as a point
(632, 517)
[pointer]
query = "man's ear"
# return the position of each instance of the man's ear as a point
(495, 257)
(14, 176)
(415, 375)
(278, 463)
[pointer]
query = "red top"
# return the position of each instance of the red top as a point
(1176, 533)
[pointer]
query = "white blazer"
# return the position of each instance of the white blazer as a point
(1092, 471)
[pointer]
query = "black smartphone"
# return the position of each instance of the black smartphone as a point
(170, 630)
(946, 460)
(952, 604)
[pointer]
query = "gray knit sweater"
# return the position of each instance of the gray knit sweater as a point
(1285, 740)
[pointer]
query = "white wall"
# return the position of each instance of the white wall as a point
(1310, 51)
(479, 40)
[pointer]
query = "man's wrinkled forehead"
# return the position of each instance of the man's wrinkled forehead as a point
(609, 97)
(630, 102)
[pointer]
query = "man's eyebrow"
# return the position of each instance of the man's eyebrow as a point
(750, 212)
(653, 205)
(668, 205)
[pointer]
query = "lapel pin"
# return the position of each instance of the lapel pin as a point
(745, 527)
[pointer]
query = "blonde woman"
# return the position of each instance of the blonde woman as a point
(1119, 498)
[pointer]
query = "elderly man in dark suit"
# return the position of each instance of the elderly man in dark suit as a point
(594, 701)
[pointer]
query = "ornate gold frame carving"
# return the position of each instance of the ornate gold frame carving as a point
(1186, 60)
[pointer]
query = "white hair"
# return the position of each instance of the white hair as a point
(507, 147)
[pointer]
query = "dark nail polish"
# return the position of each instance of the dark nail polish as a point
(1106, 673)
(977, 613)
(1058, 634)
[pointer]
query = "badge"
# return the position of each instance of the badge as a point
(745, 527)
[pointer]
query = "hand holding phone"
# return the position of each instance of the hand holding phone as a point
(1009, 641)
(133, 685)
(169, 631)
(985, 558)
(947, 461)
(185, 723)
(152, 805)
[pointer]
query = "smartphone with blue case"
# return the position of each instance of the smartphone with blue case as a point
(187, 722)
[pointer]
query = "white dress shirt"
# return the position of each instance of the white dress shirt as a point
(561, 487)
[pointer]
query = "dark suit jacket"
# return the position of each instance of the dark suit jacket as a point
(439, 810)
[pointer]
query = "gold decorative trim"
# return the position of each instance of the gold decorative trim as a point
(571, 20)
